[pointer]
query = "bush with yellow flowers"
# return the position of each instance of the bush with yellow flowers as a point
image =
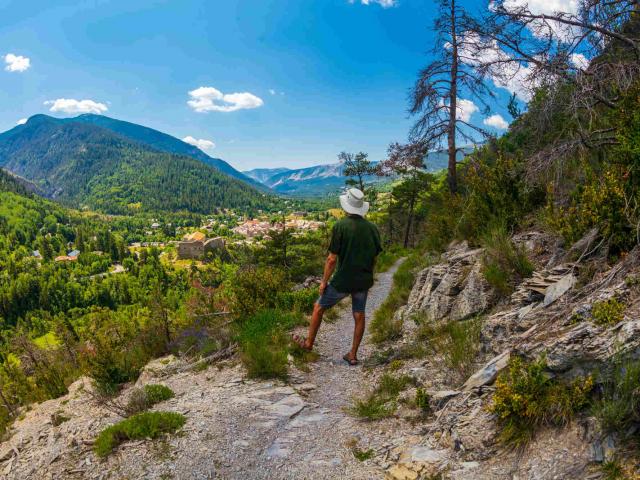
(527, 397)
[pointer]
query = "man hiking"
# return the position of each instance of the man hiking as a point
(355, 244)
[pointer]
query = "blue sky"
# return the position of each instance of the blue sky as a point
(287, 82)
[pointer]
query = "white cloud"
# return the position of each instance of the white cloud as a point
(513, 76)
(70, 105)
(272, 91)
(209, 99)
(22, 121)
(16, 63)
(464, 109)
(543, 6)
(382, 3)
(547, 7)
(578, 60)
(201, 143)
(496, 121)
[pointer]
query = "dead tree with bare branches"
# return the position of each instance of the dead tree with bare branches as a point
(435, 99)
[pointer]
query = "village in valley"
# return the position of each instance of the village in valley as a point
(216, 233)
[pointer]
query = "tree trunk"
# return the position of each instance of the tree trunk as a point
(453, 104)
(407, 232)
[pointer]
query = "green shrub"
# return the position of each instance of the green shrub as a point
(503, 263)
(618, 408)
(458, 342)
(256, 288)
(383, 326)
(264, 342)
(121, 345)
(143, 425)
(599, 200)
(108, 371)
(142, 399)
(608, 312)
(299, 301)
(527, 398)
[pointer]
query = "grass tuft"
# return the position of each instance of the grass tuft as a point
(143, 425)
(458, 342)
(382, 402)
(618, 408)
(383, 326)
(265, 343)
(503, 264)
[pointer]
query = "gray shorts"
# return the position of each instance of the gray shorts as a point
(331, 296)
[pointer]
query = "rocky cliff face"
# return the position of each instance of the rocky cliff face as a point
(549, 314)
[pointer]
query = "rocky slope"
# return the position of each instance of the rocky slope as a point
(548, 314)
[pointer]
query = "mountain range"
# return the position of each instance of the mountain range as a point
(328, 179)
(118, 167)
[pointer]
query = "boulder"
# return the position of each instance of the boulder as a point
(558, 289)
(487, 374)
(454, 289)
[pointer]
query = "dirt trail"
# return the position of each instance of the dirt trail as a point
(236, 428)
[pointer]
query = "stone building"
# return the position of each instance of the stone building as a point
(195, 245)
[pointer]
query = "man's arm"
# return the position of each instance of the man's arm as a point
(329, 267)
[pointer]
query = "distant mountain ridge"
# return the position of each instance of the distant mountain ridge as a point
(319, 180)
(160, 141)
(322, 180)
(83, 164)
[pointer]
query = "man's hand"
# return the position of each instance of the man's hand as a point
(323, 287)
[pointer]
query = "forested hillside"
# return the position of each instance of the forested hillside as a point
(84, 165)
(160, 141)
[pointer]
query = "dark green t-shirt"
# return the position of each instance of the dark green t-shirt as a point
(356, 241)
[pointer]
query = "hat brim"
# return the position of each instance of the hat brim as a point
(362, 211)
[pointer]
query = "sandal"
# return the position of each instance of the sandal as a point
(301, 342)
(351, 361)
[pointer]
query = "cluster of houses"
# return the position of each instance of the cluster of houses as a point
(261, 228)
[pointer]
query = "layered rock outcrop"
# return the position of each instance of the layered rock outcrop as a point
(453, 289)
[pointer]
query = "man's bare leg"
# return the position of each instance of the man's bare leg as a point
(358, 333)
(314, 326)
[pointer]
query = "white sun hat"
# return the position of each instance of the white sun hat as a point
(353, 202)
